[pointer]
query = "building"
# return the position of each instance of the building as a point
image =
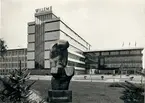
(45, 31)
(12, 60)
(125, 61)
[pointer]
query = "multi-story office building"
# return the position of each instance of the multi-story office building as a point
(45, 31)
(126, 61)
(12, 60)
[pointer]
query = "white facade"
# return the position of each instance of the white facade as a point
(53, 29)
(30, 64)
(51, 35)
(30, 55)
(52, 26)
(31, 46)
(31, 29)
(31, 38)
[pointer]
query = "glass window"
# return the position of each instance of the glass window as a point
(123, 59)
(70, 63)
(124, 52)
(114, 53)
(135, 52)
(31, 46)
(70, 55)
(105, 53)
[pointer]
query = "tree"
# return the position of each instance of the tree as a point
(16, 89)
(3, 48)
(133, 93)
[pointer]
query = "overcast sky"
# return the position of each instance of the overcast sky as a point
(103, 23)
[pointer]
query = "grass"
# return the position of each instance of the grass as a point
(86, 92)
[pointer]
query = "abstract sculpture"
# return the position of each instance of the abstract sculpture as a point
(61, 74)
(59, 58)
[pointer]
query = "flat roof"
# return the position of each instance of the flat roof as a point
(115, 49)
(16, 49)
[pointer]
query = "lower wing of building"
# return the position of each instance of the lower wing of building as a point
(126, 61)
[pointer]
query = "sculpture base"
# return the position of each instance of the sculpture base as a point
(60, 96)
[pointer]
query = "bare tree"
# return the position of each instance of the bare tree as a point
(3, 48)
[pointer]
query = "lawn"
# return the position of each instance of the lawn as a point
(86, 92)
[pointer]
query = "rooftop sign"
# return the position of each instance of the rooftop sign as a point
(44, 9)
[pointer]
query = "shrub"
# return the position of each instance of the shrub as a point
(131, 78)
(102, 77)
(15, 89)
(132, 93)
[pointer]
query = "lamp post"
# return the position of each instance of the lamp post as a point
(91, 74)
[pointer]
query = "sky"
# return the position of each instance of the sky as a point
(103, 23)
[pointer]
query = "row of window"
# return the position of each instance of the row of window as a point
(117, 52)
(10, 59)
(5, 71)
(12, 65)
(93, 66)
(122, 52)
(39, 40)
(72, 41)
(70, 55)
(124, 65)
(91, 58)
(39, 49)
(72, 48)
(40, 59)
(75, 64)
(123, 59)
(15, 52)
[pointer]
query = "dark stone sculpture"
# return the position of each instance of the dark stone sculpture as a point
(59, 58)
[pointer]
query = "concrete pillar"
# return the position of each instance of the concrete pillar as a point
(99, 71)
(113, 71)
(134, 71)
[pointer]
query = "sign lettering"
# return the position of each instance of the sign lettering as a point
(44, 9)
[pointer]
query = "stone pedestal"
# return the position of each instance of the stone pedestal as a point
(60, 96)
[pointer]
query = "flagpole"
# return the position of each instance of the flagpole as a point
(122, 44)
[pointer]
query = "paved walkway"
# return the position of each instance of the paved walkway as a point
(95, 78)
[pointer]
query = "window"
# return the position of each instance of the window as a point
(135, 52)
(49, 44)
(114, 53)
(124, 52)
(31, 46)
(114, 65)
(10, 53)
(52, 26)
(123, 59)
(52, 35)
(70, 63)
(97, 54)
(76, 57)
(105, 53)
(72, 48)
(13, 53)
(31, 29)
